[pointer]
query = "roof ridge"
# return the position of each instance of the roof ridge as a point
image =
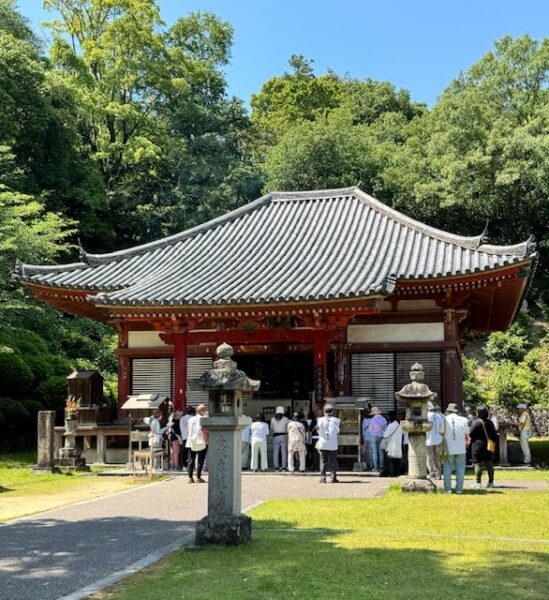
(469, 242)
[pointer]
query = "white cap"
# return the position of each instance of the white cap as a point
(522, 405)
(279, 410)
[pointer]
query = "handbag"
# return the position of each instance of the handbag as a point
(198, 443)
(490, 445)
(384, 444)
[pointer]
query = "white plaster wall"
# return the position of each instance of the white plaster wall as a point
(395, 332)
(144, 339)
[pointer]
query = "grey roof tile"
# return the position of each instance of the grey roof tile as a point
(285, 246)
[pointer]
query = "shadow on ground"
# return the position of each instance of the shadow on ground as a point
(327, 565)
(48, 558)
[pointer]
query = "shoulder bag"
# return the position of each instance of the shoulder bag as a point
(490, 444)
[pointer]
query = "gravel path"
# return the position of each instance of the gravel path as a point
(52, 554)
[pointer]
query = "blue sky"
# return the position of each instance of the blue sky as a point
(420, 45)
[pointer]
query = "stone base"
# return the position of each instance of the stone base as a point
(228, 531)
(418, 485)
(36, 470)
(72, 463)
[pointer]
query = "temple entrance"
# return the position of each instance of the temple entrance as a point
(286, 379)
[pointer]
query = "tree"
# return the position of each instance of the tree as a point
(483, 152)
(27, 230)
(151, 107)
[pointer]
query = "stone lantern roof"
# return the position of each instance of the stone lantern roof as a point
(224, 375)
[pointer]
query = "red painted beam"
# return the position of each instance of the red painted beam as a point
(254, 336)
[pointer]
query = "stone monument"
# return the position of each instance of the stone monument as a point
(416, 395)
(45, 442)
(69, 454)
(225, 523)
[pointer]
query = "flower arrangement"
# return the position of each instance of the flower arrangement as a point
(72, 408)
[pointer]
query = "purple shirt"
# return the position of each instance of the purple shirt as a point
(377, 426)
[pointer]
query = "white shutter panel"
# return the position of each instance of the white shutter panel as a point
(152, 376)
(373, 375)
(196, 366)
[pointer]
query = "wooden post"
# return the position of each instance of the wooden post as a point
(180, 370)
(123, 379)
(452, 383)
(320, 366)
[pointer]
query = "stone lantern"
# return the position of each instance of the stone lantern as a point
(416, 395)
(225, 523)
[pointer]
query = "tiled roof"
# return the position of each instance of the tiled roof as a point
(286, 246)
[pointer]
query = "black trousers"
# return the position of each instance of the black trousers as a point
(328, 462)
(394, 466)
(201, 458)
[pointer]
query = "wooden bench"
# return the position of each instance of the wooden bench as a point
(148, 456)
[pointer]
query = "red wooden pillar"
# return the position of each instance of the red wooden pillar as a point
(452, 382)
(123, 379)
(180, 371)
(124, 374)
(320, 366)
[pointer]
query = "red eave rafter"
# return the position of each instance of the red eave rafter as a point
(68, 300)
(350, 307)
(469, 281)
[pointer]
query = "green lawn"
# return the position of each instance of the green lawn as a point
(22, 493)
(396, 547)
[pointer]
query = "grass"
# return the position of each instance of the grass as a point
(503, 475)
(397, 547)
(22, 493)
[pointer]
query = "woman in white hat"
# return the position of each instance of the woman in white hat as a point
(279, 429)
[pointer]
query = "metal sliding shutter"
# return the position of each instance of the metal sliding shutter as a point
(373, 375)
(431, 364)
(152, 376)
(196, 365)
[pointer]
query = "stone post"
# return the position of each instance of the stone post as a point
(225, 523)
(45, 443)
(503, 460)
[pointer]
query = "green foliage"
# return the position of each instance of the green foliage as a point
(472, 392)
(509, 384)
(14, 421)
(514, 343)
(16, 377)
(52, 392)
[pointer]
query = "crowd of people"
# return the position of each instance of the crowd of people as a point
(299, 444)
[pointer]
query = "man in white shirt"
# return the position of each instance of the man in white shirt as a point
(434, 440)
(328, 430)
(279, 429)
(456, 430)
(258, 439)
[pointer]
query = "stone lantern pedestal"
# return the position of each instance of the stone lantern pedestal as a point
(416, 395)
(225, 523)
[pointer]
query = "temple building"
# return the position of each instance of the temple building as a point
(320, 293)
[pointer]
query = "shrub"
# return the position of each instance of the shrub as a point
(14, 419)
(509, 384)
(52, 392)
(16, 378)
(514, 343)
